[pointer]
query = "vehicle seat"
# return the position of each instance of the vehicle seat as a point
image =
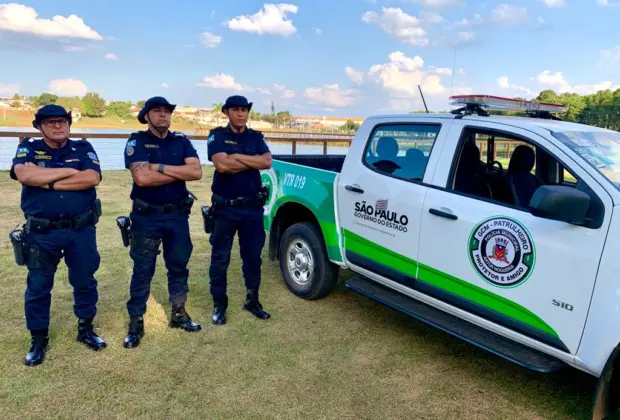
(522, 182)
(414, 164)
(387, 153)
(468, 175)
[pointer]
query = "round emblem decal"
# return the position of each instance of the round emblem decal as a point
(502, 251)
(269, 179)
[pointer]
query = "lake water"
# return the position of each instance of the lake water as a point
(110, 151)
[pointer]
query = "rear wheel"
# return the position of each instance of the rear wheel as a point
(305, 266)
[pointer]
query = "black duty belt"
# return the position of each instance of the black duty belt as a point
(241, 202)
(42, 225)
(144, 208)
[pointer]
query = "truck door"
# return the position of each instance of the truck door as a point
(482, 250)
(380, 195)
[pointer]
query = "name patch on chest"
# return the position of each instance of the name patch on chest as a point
(152, 146)
(230, 142)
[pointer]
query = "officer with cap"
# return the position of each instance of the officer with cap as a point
(160, 161)
(61, 208)
(238, 154)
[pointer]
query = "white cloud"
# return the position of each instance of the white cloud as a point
(504, 84)
(272, 19)
(110, 56)
(607, 3)
(442, 71)
(610, 58)
(9, 89)
(508, 14)
(398, 24)
(431, 17)
(209, 40)
(554, 3)
(402, 75)
(475, 21)
(23, 19)
(228, 82)
(73, 48)
(558, 83)
(319, 31)
(285, 93)
(68, 87)
(439, 4)
(164, 85)
(354, 75)
(330, 95)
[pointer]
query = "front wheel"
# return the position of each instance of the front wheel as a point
(305, 266)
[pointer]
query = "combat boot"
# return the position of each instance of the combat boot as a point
(135, 333)
(38, 347)
(253, 306)
(179, 318)
(220, 305)
(86, 335)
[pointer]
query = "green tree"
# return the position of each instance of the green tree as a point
(46, 99)
(94, 105)
(71, 103)
(548, 96)
(575, 105)
(119, 108)
(351, 125)
(140, 104)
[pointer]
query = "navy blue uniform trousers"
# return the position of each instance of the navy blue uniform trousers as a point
(251, 241)
(171, 230)
(79, 248)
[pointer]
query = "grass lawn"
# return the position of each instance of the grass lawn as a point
(341, 357)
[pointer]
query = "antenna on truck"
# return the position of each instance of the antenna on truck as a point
(423, 100)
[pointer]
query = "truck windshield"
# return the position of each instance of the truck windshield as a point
(601, 149)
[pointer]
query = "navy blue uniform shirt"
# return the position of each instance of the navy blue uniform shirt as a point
(51, 204)
(144, 146)
(250, 142)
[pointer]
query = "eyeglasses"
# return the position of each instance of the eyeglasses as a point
(53, 123)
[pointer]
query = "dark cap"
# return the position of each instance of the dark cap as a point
(51, 111)
(237, 100)
(153, 103)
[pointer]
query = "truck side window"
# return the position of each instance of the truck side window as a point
(510, 170)
(401, 150)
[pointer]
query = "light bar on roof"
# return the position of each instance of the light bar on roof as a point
(505, 104)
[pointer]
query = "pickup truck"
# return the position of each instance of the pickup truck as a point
(503, 231)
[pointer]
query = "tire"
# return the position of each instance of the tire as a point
(314, 275)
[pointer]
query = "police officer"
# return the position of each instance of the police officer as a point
(238, 154)
(160, 161)
(61, 208)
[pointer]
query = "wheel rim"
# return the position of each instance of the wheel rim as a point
(300, 262)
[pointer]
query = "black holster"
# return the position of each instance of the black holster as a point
(142, 246)
(208, 217)
(20, 247)
(39, 259)
(124, 224)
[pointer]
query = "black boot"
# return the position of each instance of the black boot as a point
(135, 333)
(38, 347)
(87, 335)
(220, 305)
(181, 319)
(253, 306)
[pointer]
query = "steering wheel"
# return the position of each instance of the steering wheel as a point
(501, 168)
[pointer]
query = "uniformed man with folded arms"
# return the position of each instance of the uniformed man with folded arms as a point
(59, 201)
(161, 162)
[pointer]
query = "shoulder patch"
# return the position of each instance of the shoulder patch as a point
(92, 155)
(131, 143)
(211, 138)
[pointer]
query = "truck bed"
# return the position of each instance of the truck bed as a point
(332, 163)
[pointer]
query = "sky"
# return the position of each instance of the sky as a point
(335, 58)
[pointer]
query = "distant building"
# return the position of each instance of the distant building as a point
(324, 122)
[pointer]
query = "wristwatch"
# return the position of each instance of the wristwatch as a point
(51, 185)
(160, 168)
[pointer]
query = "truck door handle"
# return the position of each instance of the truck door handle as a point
(354, 189)
(441, 213)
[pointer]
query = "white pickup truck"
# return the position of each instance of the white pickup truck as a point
(503, 231)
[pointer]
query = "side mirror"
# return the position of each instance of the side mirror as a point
(558, 202)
